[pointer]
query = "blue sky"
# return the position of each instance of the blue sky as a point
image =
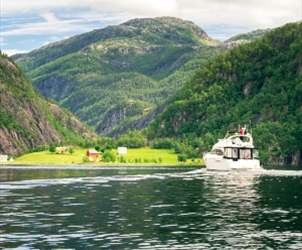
(29, 24)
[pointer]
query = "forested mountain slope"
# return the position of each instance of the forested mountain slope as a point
(27, 121)
(114, 78)
(249, 36)
(259, 82)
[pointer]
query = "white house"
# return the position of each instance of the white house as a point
(122, 151)
(61, 150)
(3, 158)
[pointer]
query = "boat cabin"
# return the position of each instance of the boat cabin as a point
(236, 153)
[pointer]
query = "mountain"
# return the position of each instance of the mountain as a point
(116, 78)
(259, 82)
(27, 120)
(249, 36)
(244, 38)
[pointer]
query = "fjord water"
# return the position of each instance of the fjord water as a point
(150, 209)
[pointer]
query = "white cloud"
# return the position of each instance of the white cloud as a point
(17, 6)
(51, 25)
(229, 15)
(247, 13)
(243, 12)
(50, 17)
(140, 7)
(11, 52)
(131, 6)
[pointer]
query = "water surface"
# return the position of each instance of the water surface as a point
(150, 209)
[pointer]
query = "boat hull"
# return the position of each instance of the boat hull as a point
(218, 163)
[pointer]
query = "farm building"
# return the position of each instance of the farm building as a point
(122, 151)
(3, 158)
(93, 155)
(61, 150)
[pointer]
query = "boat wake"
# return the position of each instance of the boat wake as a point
(186, 175)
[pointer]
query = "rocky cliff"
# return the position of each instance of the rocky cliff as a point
(27, 120)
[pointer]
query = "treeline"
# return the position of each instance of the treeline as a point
(185, 148)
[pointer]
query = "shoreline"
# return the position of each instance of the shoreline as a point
(96, 166)
(139, 157)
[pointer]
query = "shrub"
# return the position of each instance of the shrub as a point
(52, 149)
(99, 149)
(137, 160)
(85, 159)
(109, 146)
(182, 158)
(180, 148)
(109, 156)
(163, 143)
(71, 151)
(133, 139)
(122, 159)
(106, 142)
(39, 149)
(187, 149)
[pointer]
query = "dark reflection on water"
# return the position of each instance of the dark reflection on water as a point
(150, 209)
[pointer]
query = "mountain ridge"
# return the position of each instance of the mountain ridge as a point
(141, 61)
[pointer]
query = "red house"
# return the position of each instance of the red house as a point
(92, 154)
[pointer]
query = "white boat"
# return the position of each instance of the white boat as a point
(235, 151)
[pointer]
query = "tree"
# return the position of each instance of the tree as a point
(52, 149)
(71, 150)
(109, 156)
(133, 139)
(182, 158)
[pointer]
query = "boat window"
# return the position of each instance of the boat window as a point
(228, 152)
(235, 152)
(231, 153)
(246, 153)
(217, 152)
(244, 138)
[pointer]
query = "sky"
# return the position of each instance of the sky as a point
(29, 24)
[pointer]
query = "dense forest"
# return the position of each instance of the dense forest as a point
(258, 83)
(29, 122)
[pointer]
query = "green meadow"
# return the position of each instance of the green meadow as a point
(139, 156)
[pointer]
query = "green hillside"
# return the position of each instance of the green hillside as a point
(249, 36)
(115, 78)
(27, 121)
(259, 82)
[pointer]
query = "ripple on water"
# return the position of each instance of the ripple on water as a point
(187, 210)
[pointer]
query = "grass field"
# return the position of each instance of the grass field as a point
(151, 155)
(45, 157)
(134, 156)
